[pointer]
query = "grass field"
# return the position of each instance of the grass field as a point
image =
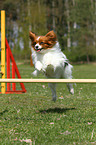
(32, 118)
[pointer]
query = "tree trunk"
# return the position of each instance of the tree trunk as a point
(75, 24)
(93, 6)
(53, 4)
(68, 24)
(29, 20)
(88, 60)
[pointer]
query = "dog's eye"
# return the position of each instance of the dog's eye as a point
(34, 43)
(41, 43)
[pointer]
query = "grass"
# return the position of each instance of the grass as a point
(32, 118)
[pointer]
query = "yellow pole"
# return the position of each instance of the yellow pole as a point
(3, 50)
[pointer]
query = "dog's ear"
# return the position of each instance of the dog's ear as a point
(51, 39)
(51, 36)
(32, 36)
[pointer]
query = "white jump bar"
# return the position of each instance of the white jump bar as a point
(48, 80)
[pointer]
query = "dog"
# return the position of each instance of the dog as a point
(50, 60)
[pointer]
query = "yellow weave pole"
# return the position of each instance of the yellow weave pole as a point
(3, 50)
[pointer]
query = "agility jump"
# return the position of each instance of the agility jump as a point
(48, 81)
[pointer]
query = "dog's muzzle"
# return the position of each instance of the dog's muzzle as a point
(38, 49)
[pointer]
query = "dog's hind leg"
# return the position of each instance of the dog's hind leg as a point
(68, 75)
(70, 88)
(53, 90)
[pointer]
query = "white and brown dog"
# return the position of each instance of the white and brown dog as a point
(49, 59)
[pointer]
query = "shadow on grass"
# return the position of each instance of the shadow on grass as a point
(1, 113)
(56, 110)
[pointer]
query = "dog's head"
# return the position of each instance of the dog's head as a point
(41, 43)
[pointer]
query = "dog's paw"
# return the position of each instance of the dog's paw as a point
(72, 91)
(35, 73)
(38, 65)
(54, 98)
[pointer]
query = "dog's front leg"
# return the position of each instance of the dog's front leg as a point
(35, 73)
(53, 90)
(38, 66)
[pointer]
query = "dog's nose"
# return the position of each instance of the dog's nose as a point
(36, 47)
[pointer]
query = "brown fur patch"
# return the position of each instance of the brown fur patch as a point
(46, 42)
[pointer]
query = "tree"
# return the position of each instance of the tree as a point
(74, 22)
(24, 15)
(83, 33)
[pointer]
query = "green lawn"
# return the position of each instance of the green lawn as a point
(32, 118)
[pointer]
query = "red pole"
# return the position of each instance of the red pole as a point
(8, 66)
(13, 76)
(15, 66)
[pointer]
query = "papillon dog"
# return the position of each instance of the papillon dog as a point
(50, 60)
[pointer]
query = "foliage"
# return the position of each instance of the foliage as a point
(84, 33)
(74, 22)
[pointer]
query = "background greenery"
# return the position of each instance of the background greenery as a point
(74, 22)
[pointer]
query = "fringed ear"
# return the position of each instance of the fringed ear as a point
(32, 36)
(51, 36)
(50, 39)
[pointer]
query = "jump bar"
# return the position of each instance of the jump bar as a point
(48, 80)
